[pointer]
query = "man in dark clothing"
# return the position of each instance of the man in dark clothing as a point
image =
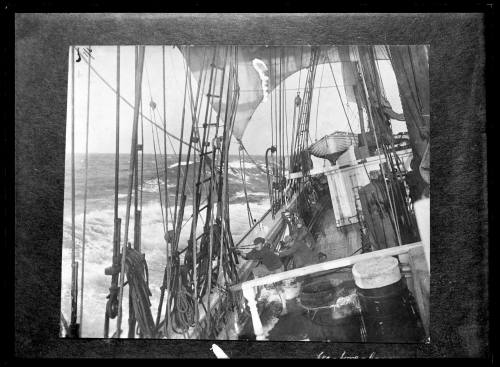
(303, 255)
(271, 262)
(303, 234)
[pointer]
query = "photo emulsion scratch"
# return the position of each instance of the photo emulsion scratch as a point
(247, 193)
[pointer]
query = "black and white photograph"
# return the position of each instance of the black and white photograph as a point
(204, 184)
(247, 192)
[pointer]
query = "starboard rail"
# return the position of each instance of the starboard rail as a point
(325, 266)
(248, 287)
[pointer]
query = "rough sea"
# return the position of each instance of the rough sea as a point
(99, 225)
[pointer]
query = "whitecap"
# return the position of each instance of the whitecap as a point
(182, 164)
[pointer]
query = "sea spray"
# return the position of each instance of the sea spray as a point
(99, 235)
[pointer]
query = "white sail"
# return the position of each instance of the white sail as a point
(261, 69)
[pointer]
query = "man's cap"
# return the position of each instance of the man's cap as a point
(259, 240)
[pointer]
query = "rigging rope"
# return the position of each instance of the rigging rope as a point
(112, 303)
(282, 133)
(300, 70)
(243, 180)
(166, 206)
(130, 104)
(393, 212)
(167, 253)
(285, 109)
(271, 104)
(142, 163)
(194, 244)
(349, 123)
(158, 181)
(342, 103)
(138, 79)
(277, 118)
(74, 291)
(138, 281)
(117, 136)
(183, 304)
(180, 149)
(192, 140)
(132, 330)
(211, 234)
(292, 89)
(153, 118)
(317, 105)
(386, 149)
(85, 197)
(249, 156)
(302, 133)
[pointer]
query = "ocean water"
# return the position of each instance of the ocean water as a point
(99, 225)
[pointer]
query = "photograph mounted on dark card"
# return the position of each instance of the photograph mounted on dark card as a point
(223, 192)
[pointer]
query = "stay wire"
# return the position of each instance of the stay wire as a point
(152, 113)
(85, 197)
(73, 214)
(128, 102)
(158, 181)
(317, 105)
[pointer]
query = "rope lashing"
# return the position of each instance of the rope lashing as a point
(137, 272)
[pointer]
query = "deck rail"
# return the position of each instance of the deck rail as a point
(249, 291)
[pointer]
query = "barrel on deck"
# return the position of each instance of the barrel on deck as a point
(385, 302)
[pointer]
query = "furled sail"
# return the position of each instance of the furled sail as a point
(378, 104)
(411, 67)
(260, 70)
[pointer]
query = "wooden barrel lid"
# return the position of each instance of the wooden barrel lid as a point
(376, 273)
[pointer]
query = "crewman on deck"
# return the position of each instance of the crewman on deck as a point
(303, 234)
(271, 262)
(302, 248)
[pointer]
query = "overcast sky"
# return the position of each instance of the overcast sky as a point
(326, 116)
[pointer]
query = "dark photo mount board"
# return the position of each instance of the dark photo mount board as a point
(459, 321)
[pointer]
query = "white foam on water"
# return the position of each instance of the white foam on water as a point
(99, 249)
(241, 194)
(248, 165)
(177, 164)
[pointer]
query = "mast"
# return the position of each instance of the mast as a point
(360, 102)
